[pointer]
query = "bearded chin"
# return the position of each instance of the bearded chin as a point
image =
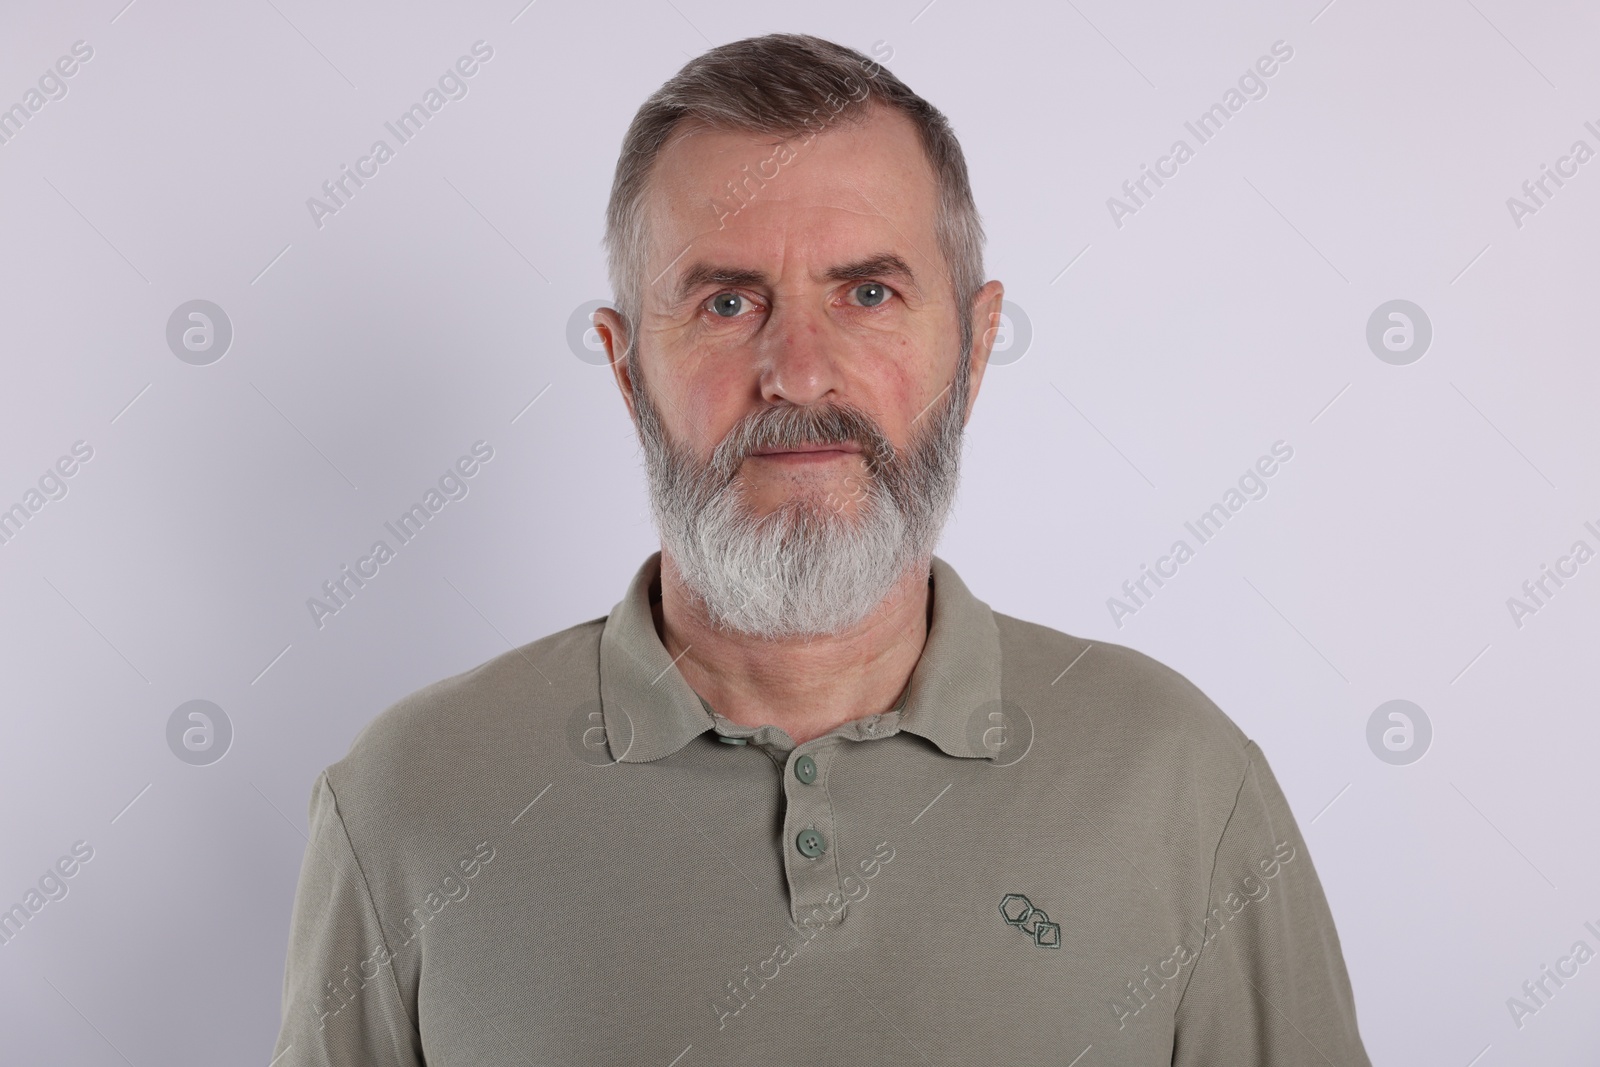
(812, 565)
(804, 569)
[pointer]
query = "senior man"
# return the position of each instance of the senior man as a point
(801, 797)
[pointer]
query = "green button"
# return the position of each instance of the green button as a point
(805, 769)
(725, 739)
(810, 843)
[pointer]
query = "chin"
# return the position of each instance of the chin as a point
(810, 496)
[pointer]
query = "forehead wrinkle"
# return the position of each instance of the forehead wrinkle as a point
(678, 294)
(939, 268)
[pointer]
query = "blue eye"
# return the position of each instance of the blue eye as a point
(727, 305)
(871, 294)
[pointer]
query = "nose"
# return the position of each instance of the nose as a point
(799, 354)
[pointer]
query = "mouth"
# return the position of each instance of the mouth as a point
(808, 453)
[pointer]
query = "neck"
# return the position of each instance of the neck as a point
(804, 686)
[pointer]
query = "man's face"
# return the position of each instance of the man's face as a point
(810, 309)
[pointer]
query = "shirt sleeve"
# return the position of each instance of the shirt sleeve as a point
(1269, 986)
(342, 1005)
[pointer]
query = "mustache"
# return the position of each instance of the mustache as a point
(795, 426)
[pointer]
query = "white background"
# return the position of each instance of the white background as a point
(370, 353)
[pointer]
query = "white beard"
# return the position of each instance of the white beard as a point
(808, 567)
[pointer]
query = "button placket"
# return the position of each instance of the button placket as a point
(809, 841)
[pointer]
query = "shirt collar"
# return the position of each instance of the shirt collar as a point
(650, 712)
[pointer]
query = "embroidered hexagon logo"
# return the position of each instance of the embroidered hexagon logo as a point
(1018, 911)
(1016, 908)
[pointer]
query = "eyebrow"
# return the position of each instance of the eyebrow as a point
(878, 265)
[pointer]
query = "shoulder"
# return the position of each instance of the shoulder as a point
(458, 735)
(1112, 699)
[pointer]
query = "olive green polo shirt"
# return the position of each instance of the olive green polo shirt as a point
(1050, 851)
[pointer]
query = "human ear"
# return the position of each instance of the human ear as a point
(614, 335)
(985, 309)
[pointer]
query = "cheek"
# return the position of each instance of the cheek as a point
(911, 377)
(711, 399)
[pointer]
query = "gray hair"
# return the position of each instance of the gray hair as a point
(778, 84)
